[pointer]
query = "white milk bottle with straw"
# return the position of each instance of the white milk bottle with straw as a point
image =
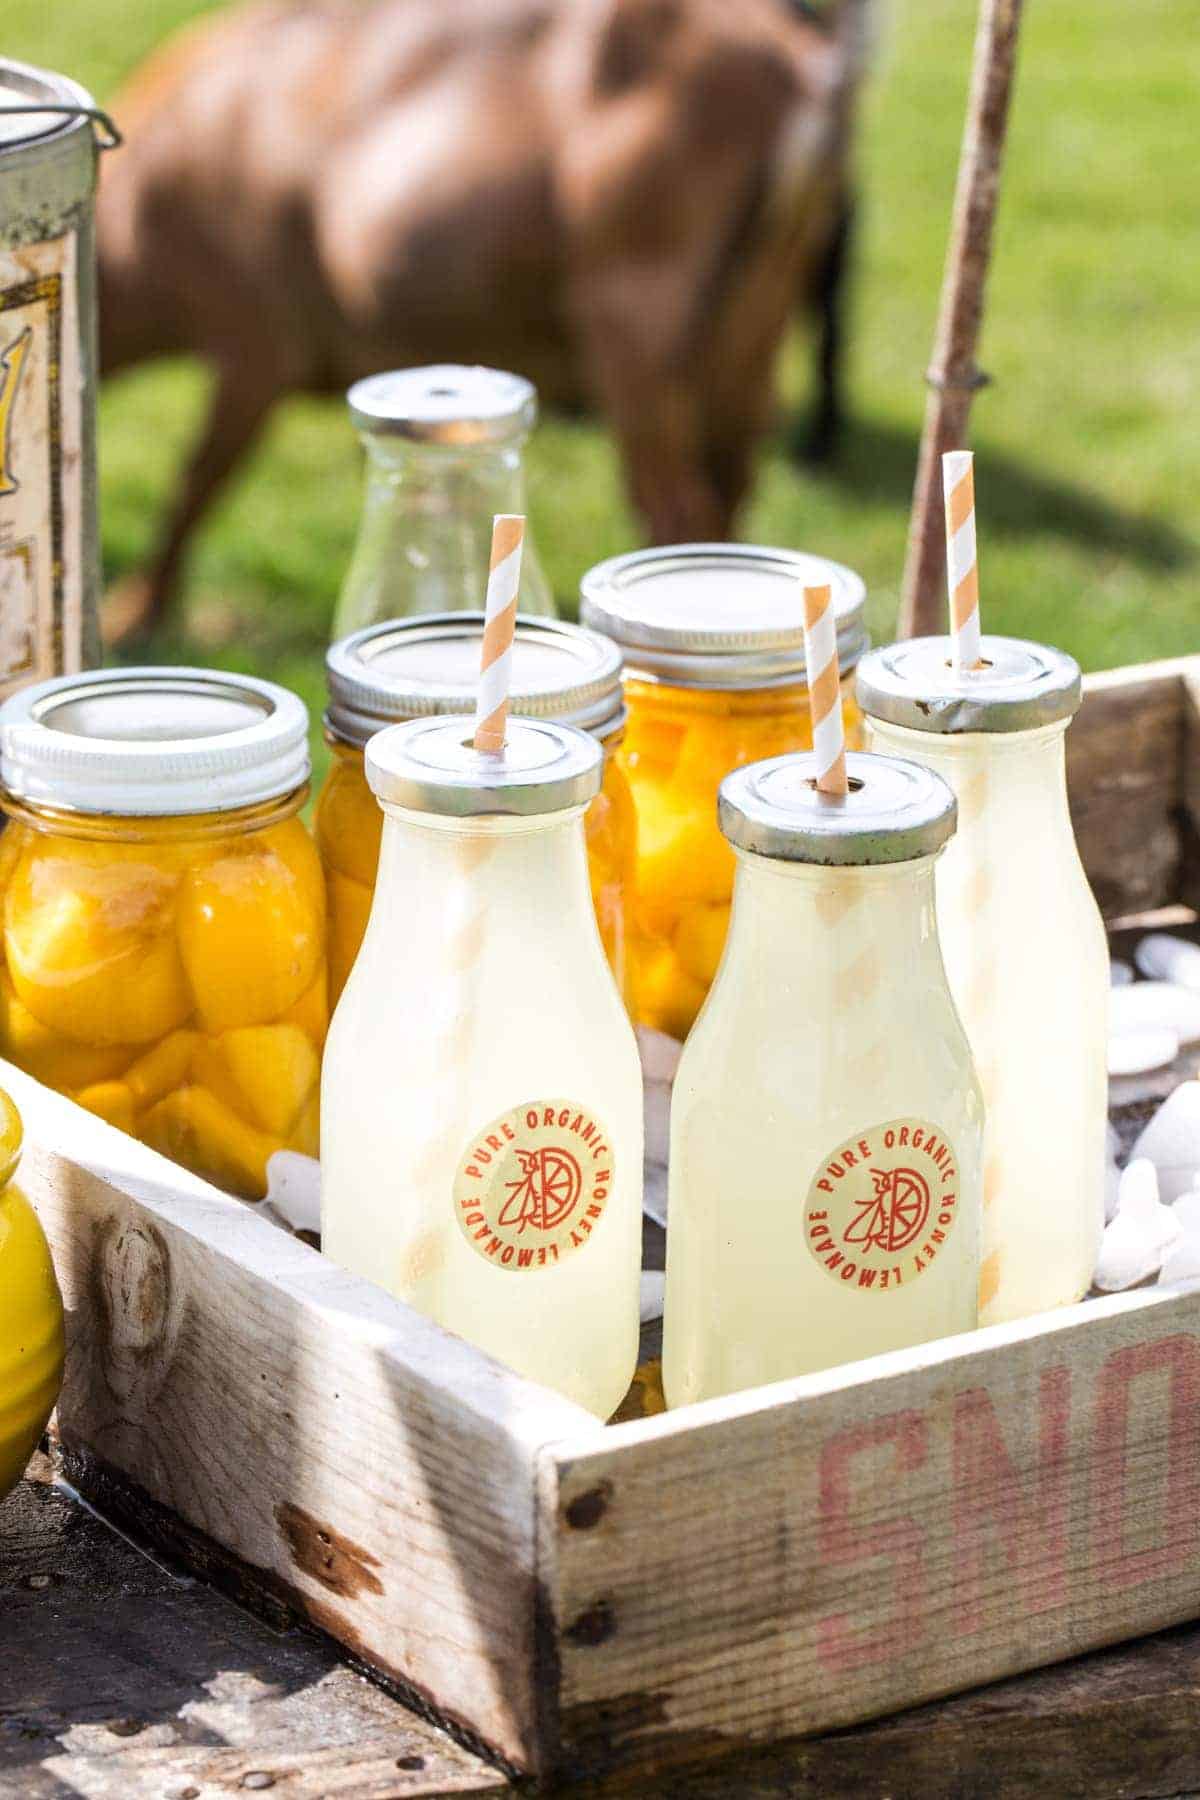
(1022, 935)
(826, 1126)
(481, 1097)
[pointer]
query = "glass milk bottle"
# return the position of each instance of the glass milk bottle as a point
(481, 1099)
(824, 1205)
(443, 449)
(1024, 945)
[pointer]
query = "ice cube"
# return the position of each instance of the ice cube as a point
(1171, 1140)
(653, 1288)
(1112, 1188)
(1155, 1005)
(294, 1189)
(1136, 1242)
(1187, 1209)
(1133, 1052)
(1168, 958)
(1119, 973)
(659, 1053)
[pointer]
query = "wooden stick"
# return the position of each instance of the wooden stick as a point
(953, 377)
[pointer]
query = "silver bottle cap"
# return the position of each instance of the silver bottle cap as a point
(896, 811)
(1022, 686)
(719, 615)
(446, 403)
(429, 765)
(414, 668)
(152, 743)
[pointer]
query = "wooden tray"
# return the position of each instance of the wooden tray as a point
(582, 1599)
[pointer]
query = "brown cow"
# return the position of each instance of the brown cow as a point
(618, 198)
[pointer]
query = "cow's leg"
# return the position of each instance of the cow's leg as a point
(815, 440)
(242, 398)
(657, 415)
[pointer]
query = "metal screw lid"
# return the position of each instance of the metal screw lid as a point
(1022, 686)
(719, 615)
(161, 743)
(430, 765)
(446, 403)
(410, 668)
(896, 811)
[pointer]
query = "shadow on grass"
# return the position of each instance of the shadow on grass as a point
(877, 461)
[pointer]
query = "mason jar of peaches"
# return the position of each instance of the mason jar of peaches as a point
(164, 911)
(423, 666)
(713, 641)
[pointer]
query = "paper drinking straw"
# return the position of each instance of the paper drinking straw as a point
(824, 690)
(500, 617)
(962, 569)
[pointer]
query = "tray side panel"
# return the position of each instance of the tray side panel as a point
(817, 1553)
(1125, 776)
(375, 1471)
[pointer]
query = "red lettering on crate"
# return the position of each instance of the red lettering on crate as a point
(899, 1541)
(994, 1504)
(1122, 1393)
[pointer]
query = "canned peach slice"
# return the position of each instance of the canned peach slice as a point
(349, 910)
(90, 947)
(166, 1066)
(293, 846)
(305, 1135)
(681, 854)
(46, 1055)
(652, 748)
(668, 997)
(193, 1126)
(264, 1072)
(311, 1011)
(109, 1100)
(700, 939)
(251, 942)
(349, 825)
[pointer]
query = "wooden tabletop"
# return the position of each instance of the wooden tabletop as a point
(122, 1678)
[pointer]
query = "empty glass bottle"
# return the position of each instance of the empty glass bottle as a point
(443, 451)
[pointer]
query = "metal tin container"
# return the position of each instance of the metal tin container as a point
(49, 547)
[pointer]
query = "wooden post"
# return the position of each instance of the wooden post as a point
(953, 377)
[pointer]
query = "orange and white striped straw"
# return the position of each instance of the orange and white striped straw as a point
(962, 568)
(499, 622)
(824, 690)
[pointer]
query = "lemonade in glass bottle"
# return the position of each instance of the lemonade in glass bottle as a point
(826, 1125)
(481, 1096)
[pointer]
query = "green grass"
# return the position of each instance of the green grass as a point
(1088, 447)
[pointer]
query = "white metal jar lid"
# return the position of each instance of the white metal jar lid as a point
(445, 403)
(719, 615)
(413, 668)
(21, 84)
(152, 742)
(430, 765)
(896, 811)
(1021, 687)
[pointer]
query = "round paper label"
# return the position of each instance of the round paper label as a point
(881, 1207)
(532, 1186)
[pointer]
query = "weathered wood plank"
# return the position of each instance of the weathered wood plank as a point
(1125, 777)
(374, 1468)
(1111, 1726)
(820, 1551)
(122, 1680)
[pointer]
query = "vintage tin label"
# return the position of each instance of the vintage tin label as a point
(41, 403)
(882, 1206)
(532, 1186)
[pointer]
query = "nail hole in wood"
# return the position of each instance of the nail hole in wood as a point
(594, 1626)
(587, 1509)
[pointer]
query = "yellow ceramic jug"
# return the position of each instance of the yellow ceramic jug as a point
(31, 1315)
